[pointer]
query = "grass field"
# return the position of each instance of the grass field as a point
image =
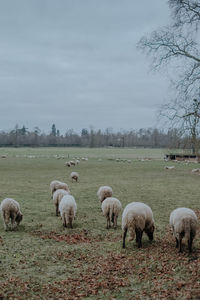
(42, 260)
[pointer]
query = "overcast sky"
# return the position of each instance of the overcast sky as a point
(75, 63)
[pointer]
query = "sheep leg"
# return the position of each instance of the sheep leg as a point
(190, 242)
(190, 245)
(70, 222)
(139, 233)
(115, 222)
(13, 217)
(6, 217)
(124, 237)
(108, 220)
(64, 221)
(57, 211)
(180, 244)
(176, 243)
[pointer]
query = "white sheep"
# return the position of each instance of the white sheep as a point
(57, 196)
(72, 163)
(137, 217)
(196, 170)
(10, 209)
(67, 208)
(68, 164)
(183, 222)
(74, 176)
(111, 208)
(104, 192)
(55, 185)
(169, 167)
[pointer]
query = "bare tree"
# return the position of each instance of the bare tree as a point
(177, 47)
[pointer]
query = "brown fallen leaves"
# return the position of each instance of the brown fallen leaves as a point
(156, 271)
(105, 274)
(70, 239)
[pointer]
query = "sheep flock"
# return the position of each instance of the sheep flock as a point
(137, 217)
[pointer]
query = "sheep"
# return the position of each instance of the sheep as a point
(104, 192)
(72, 163)
(68, 164)
(74, 176)
(57, 196)
(67, 208)
(169, 167)
(137, 217)
(196, 170)
(55, 185)
(183, 222)
(10, 209)
(111, 208)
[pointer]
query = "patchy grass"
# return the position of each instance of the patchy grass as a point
(41, 259)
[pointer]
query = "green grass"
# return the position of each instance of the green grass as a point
(42, 260)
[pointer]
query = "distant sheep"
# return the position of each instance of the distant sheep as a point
(72, 162)
(55, 185)
(104, 192)
(57, 196)
(183, 222)
(67, 208)
(68, 164)
(10, 210)
(169, 167)
(74, 176)
(111, 208)
(137, 217)
(196, 170)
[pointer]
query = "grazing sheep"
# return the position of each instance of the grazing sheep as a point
(68, 164)
(183, 222)
(10, 209)
(196, 170)
(104, 192)
(67, 208)
(137, 217)
(111, 208)
(55, 185)
(72, 162)
(57, 196)
(74, 176)
(169, 167)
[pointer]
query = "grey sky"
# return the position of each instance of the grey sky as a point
(75, 63)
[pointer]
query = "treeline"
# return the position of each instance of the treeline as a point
(21, 137)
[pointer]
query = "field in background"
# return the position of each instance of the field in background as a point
(42, 260)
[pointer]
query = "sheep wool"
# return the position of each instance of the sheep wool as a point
(137, 217)
(74, 176)
(111, 208)
(55, 185)
(10, 210)
(183, 222)
(57, 196)
(104, 192)
(68, 208)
